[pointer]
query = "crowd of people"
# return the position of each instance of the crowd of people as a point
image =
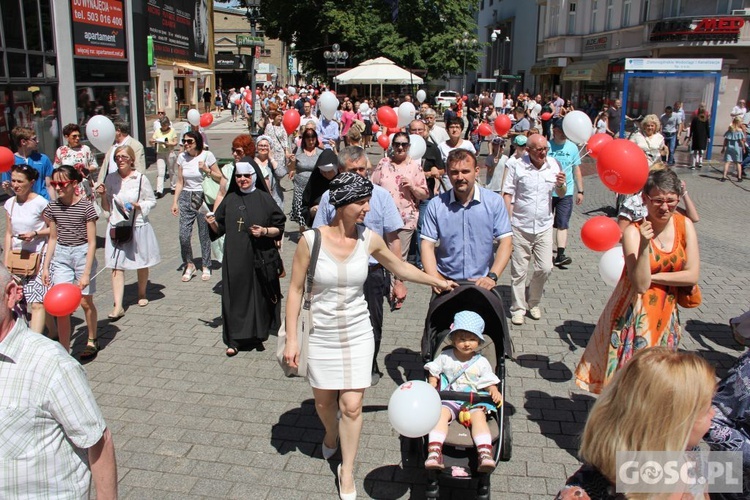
(429, 220)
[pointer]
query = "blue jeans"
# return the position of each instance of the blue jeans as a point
(671, 141)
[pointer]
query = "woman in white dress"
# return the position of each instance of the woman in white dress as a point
(341, 346)
(129, 194)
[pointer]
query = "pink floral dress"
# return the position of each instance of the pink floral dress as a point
(390, 177)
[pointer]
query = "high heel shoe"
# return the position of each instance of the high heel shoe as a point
(329, 452)
(342, 495)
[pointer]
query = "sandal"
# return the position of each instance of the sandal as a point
(434, 457)
(91, 349)
(142, 302)
(188, 274)
(232, 351)
(115, 315)
(206, 274)
(486, 462)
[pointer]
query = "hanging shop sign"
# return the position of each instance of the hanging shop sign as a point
(98, 29)
(226, 61)
(709, 29)
(596, 43)
(180, 29)
(250, 41)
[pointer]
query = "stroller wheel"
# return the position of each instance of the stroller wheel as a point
(506, 440)
(483, 488)
(432, 488)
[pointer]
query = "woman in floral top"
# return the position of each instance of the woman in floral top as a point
(403, 178)
(77, 155)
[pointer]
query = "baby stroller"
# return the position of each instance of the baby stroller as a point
(459, 452)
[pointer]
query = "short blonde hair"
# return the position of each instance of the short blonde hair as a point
(131, 153)
(651, 404)
(651, 119)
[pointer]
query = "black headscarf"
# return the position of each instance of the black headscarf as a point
(348, 187)
(317, 185)
(260, 182)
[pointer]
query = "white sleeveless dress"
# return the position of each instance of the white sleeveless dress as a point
(341, 345)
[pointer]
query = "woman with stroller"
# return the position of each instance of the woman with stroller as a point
(341, 346)
(463, 369)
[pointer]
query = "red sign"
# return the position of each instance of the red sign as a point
(711, 29)
(98, 29)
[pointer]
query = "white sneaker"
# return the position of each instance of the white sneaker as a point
(517, 318)
(535, 313)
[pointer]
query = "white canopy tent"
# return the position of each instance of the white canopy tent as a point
(379, 71)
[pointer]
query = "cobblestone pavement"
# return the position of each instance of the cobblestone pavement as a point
(189, 422)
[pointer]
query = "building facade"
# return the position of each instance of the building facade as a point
(508, 61)
(583, 45)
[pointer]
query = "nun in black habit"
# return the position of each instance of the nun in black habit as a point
(251, 222)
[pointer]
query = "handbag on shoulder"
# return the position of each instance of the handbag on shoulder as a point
(304, 320)
(122, 232)
(22, 262)
(689, 296)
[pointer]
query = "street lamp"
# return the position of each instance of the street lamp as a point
(335, 57)
(252, 14)
(465, 44)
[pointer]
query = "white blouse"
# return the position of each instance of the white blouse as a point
(122, 191)
(192, 176)
(26, 218)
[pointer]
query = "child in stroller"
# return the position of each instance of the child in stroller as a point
(463, 369)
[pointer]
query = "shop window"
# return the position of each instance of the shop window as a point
(646, 11)
(2, 64)
(728, 6)
(554, 18)
(12, 24)
(36, 66)
(33, 28)
(626, 5)
(33, 107)
(149, 96)
(17, 65)
(572, 18)
(594, 13)
(610, 22)
(674, 8)
(113, 101)
(47, 40)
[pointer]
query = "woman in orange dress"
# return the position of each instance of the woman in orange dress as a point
(661, 254)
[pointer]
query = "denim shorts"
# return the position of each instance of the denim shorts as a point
(563, 208)
(68, 264)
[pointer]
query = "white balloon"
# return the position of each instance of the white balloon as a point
(194, 117)
(100, 131)
(414, 408)
(291, 90)
(406, 113)
(578, 127)
(364, 107)
(417, 147)
(611, 265)
(328, 103)
(421, 95)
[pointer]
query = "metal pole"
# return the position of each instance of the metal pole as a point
(463, 80)
(255, 105)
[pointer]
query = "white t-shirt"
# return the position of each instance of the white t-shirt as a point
(445, 148)
(27, 218)
(192, 177)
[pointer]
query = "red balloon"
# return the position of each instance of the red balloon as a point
(375, 128)
(291, 120)
(600, 233)
(315, 92)
(546, 116)
(312, 102)
(62, 299)
(7, 159)
(484, 129)
(502, 124)
(387, 116)
(622, 166)
(249, 98)
(384, 141)
(596, 143)
(206, 119)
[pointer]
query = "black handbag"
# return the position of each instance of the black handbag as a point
(122, 232)
(268, 269)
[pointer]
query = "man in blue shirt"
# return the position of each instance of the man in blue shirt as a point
(467, 220)
(383, 219)
(328, 132)
(26, 141)
(566, 154)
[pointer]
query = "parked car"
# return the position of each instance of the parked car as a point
(445, 98)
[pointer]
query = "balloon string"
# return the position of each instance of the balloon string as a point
(97, 274)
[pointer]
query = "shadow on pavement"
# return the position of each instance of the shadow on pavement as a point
(575, 333)
(404, 364)
(153, 292)
(555, 371)
(718, 333)
(559, 418)
(106, 333)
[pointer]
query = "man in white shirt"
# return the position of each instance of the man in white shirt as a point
(157, 123)
(307, 116)
(122, 138)
(740, 109)
(436, 133)
(529, 184)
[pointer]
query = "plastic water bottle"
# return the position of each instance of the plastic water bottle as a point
(128, 207)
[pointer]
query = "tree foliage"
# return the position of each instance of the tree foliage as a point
(422, 36)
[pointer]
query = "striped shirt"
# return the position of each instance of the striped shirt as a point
(71, 221)
(49, 418)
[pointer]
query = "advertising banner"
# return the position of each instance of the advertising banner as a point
(98, 28)
(179, 29)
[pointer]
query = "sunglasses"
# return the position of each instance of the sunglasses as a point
(60, 184)
(74, 136)
(400, 144)
(238, 151)
(188, 141)
(309, 137)
(243, 176)
(122, 157)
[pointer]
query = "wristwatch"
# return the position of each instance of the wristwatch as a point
(580, 192)
(492, 276)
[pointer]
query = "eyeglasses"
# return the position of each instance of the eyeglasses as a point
(74, 136)
(162, 113)
(400, 144)
(657, 202)
(540, 149)
(33, 139)
(60, 184)
(243, 176)
(238, 151)
(263, 146)
(188, 141)
(309, 137)
(122, 157)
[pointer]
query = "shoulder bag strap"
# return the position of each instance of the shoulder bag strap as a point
(311, 268)
(471, 362)
(140, 185)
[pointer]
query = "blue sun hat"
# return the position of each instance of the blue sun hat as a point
(469, 321)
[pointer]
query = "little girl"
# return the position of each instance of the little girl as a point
(71, 249)
(463, 369)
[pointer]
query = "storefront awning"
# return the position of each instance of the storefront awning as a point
(586, 71)
(549, 67)
(197, 69)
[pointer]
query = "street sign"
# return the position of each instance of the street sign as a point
(250, 41)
